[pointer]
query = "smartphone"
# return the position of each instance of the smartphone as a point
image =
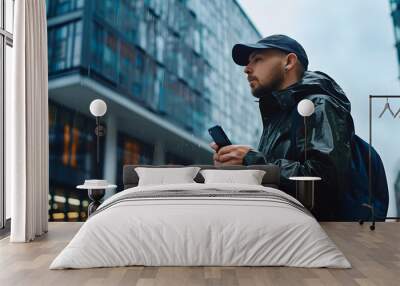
(219, 136)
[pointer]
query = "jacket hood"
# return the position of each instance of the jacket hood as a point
(313, 82)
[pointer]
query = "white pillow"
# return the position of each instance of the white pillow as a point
(249, 177)
(162, 176)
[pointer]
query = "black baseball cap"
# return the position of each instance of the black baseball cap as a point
(241, 52)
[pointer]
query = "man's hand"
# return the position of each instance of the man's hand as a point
(229, 155)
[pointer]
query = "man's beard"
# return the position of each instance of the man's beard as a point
(264, 90)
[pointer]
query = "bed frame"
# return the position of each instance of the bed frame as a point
(270, 179)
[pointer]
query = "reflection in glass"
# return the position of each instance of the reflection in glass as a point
(8, 89)
(60, 7)
(64, 46)
(9, 15)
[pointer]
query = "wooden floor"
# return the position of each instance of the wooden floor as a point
(374, 255)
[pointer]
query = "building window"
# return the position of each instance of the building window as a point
(104, 51)
(64, 46)
(60, 7)
(127, 65)
(6, 63)
(96, 47)
(131, 151)
(394, 5)
(77, 44)
(110, 55)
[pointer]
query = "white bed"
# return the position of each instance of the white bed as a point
(269, 228)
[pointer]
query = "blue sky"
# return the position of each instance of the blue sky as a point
(353, 42)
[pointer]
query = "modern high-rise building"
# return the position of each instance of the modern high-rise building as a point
(395, 12)
(165, 70)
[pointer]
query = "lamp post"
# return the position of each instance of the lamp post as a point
(305, 184)
(305, 109)
(98, 108)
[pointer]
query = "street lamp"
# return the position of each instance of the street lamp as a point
(305, 109)
(98, 108)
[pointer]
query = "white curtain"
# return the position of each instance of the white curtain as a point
(27, 124)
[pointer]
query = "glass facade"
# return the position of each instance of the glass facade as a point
(395, 12)
(149, 63)
(173, 57)
(170, 57)
(72, 155)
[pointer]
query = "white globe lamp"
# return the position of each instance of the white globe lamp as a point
(98, 107)
(305, 107)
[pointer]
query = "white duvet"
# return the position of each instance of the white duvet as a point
(185, 231)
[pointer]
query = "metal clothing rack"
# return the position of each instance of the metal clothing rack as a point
(370, 204)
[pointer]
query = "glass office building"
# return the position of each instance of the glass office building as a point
(395, 12)
(165, 70)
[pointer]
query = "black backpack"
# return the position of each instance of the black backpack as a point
(359, 193)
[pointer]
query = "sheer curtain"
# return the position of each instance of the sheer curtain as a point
(27, 124)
